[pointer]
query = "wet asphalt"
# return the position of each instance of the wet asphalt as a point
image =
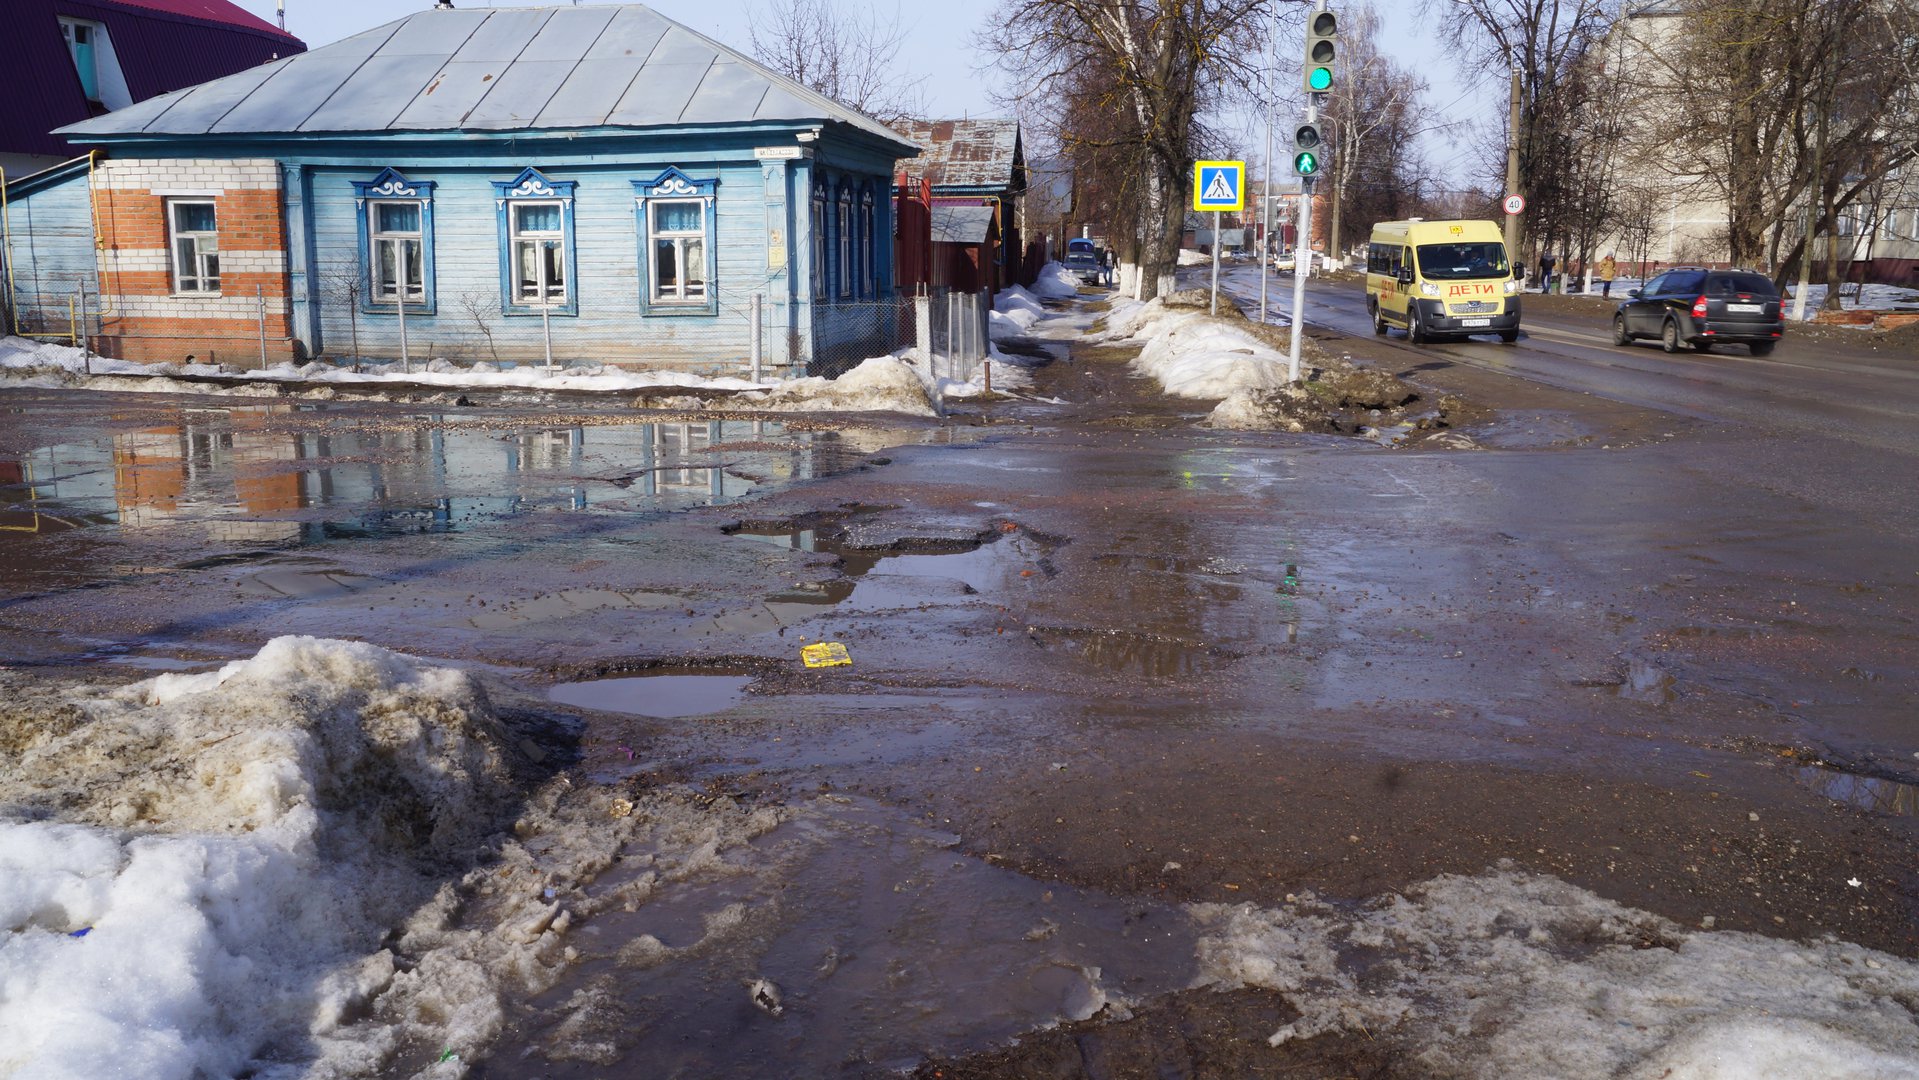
(1656, 636)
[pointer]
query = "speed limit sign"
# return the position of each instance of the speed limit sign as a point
(1515, 204)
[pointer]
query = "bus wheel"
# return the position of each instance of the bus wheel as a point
(1379, 319)
(1415, 329)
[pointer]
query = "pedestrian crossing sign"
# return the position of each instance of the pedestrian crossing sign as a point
(1219, 185)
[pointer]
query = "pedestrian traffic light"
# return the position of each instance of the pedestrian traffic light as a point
(1322, 48)
(1309, 148)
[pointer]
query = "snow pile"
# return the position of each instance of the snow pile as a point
(234, 845)
(1279, 409)
(1195, 355)
(1189, 257)
(1056, 283)
(27, 363)
(1511, 974)
(883, 383)
(1015, 310)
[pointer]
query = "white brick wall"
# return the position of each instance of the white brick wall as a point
(133, 260)
(203, 174)
(192, 307)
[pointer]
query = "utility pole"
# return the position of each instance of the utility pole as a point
(1513, 232)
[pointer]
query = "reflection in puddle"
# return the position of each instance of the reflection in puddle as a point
(663, 697)
(874, 580)
(884, 943)
(1864, 792)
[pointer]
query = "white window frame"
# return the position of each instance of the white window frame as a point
(869, 249)
(202, 250)
(819, 244)
(681, 292)
(382, 292)
(516, 237)
(846, 243)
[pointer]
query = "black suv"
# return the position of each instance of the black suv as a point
(1701, 308)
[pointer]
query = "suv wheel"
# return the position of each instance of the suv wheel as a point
(1669, 337)
(1620, 335)
(1762, 348)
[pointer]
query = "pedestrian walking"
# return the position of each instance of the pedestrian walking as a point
(1546, 264)
(1608, 269)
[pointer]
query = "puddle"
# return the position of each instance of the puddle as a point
(1647, 683)
(662, 697)
(873, 580)
(1869, 793)
(884, 944)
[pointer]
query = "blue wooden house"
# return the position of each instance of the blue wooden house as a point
(598, 183)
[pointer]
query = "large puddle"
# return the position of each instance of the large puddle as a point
(1870, 793)
(295, 474)
(878, 942)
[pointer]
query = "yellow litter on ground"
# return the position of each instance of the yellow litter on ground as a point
(825, 654)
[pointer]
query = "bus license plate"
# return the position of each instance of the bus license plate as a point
(1748, 308)
(1475, 322)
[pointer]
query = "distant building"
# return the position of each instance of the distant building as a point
(977, 173)
(479, 184)
(63, 61)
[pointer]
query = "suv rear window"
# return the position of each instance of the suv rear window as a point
(1732, 283)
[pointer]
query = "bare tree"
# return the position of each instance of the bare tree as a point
(1163, 63)
(1374, 115)
(482, 306)
(852, 58)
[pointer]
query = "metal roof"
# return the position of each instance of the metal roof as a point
(961, 224)
(982, 154)
(492, 69)
(160, 45)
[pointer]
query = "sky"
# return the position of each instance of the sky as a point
(938, 42)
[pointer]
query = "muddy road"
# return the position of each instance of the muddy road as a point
(1655, 638)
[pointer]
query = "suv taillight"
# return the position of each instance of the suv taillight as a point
(1699, 308)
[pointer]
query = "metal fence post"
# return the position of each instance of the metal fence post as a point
(546, 333)
(260, 306)
(923, 327)
(399, 305)
(72, 327)
(755, 309)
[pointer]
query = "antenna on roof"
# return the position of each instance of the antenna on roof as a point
(280, 12)
(443, 5)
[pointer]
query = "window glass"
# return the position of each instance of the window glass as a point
(397, 217)
(539, 253)
(845, 267)
(196, 247)
(1656, 285)
(1731, 284)
(677, 216)
(399, 252)
(537, 217)
(1452, 262)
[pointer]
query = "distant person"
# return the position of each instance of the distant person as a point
(1546, 264)
(1608, 269)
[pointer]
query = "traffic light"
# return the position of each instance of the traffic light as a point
(1322, 48)
(1309, 148)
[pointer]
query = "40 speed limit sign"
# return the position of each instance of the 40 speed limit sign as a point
(1514, 204)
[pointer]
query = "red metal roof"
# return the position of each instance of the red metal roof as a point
(162, 45)
(220, 11)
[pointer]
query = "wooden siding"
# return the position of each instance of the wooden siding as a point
(51, 251)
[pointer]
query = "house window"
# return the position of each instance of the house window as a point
(396, 243)
(83, 40)
(679, 250)
(399, 252)
(845, 267)
(194, 238)
(539, 253)
(870, 276)
(819, 242)
(676, 220)
(538, 268)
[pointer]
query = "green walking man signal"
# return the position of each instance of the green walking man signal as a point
(1307, 148)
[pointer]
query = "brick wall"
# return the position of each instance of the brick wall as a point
(144, 318)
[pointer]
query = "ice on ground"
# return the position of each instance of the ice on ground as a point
(1512, 974)
(198, 871)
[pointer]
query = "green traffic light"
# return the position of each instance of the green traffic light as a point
(1320, 79)
(1305, 164)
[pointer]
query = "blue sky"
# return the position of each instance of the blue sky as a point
(938, 42)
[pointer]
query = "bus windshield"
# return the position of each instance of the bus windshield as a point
(1451, 262)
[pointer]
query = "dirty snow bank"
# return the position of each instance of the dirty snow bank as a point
(1015, 310)
(1512, 974)
(233, 845)
(1194, 354)
(29, 363)
(1055, 282)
